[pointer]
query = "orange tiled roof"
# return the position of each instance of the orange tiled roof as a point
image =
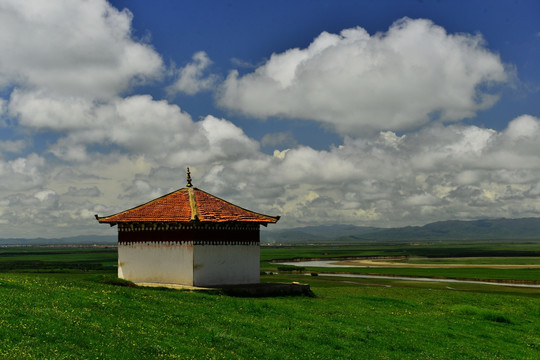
(185, 205)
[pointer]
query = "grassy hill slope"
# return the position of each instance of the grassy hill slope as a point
(85, 316)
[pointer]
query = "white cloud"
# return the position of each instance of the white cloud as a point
(285, 138)
(3, 111)
(138, 187)
(74, 61)
(190, 77)
(398, 80)
(22, 173)
(239, 63)
(136, 124)
(45, 195)
(439, 172)
(72, 48)
(12, 146)
(523, 128)
(83, 192)
(40, 110)
(44, 214)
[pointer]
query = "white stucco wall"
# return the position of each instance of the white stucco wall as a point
(226, 264)
(156, 262)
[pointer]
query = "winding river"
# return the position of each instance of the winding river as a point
(332, 264)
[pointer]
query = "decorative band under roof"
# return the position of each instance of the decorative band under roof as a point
(181, 226)
(189, 242)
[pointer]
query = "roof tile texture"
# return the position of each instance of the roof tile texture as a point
(175, 207)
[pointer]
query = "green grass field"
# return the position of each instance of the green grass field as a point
(482, 253)
(60, 311)
(484, 249)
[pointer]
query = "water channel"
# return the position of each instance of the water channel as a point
(331, 264)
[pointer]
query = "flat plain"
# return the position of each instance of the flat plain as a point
(66, 303)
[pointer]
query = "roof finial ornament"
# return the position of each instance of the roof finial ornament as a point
(188, 178)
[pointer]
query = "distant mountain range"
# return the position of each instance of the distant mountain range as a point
(74, 240)
(488, 229)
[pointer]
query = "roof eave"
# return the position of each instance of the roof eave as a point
(103, 220)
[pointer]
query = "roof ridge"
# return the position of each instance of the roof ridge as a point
(193, 204)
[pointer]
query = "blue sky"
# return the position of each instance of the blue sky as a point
(251, 31)
(376, 113)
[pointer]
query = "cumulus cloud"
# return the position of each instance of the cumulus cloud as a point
(190, 78)
(3, 112)
(438, 172)
(44, 213)
(398, 80)
(72, 48)
(12, 146)
(136, 124)
(74, 62)
(285, 138)
(22, 173)
(83, 192)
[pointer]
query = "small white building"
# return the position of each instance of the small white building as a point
(189, 237)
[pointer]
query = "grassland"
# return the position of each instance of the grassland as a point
(481, 253)
(433, 250)
(57, 259)
(60, 311)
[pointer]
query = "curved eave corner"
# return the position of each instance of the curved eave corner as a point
(274, 218)
(103, 220)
